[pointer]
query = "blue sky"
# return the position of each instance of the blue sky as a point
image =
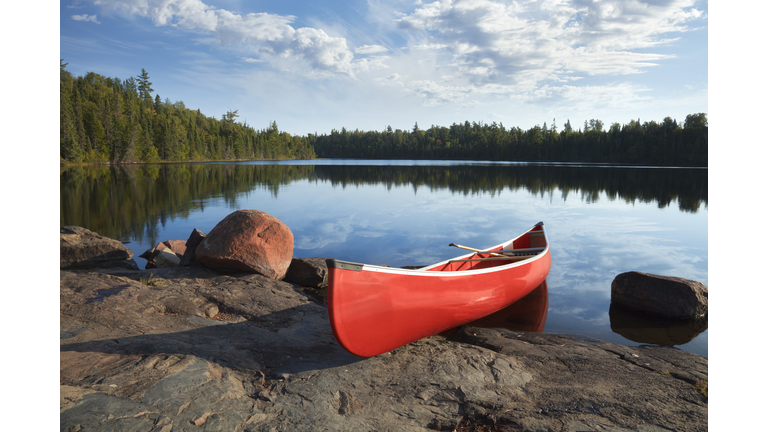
(313, 66)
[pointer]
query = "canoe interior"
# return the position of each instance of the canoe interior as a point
(534, 238)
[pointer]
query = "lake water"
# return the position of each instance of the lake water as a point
(601, 220)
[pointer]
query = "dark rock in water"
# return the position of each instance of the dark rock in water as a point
(248, 241)
(666, 296)
(189, 258)
(147, 253)
(652, 329)
(80, 248)
(308, 272)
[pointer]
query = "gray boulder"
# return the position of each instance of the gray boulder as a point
(166, 258)
(308, 272)
(80, 248)
(666, 296)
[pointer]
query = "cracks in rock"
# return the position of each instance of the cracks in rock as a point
(662, 367)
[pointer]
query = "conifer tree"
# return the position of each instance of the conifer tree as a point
(145, 87)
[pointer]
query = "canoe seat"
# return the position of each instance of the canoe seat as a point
(537, 239)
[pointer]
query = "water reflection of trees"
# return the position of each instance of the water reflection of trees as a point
(133, 201)
(130, 201)
(687, 187)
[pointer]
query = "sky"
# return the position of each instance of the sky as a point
(314, 66)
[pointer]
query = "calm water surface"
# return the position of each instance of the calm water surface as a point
(601, 220)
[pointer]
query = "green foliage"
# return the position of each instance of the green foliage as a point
(111, 120)
(696, 121)
(702, 387)
(648, 143)
(145, 87)
(108, 120)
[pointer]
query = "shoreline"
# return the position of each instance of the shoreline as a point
(162, 348)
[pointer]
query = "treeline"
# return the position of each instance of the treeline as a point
(106, 119)
(667, 143)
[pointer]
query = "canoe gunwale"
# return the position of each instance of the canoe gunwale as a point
(424, 271)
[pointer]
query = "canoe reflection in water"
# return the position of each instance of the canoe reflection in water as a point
(649, 329)
(528, 314)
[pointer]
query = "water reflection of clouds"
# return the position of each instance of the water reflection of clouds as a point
(320, 234)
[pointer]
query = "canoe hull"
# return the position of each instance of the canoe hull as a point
(375, 309)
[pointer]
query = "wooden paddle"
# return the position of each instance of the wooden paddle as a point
(511, 258)
(474, 250)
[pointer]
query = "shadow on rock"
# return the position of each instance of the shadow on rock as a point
(247, 322)
(305, 345)
(299, 347)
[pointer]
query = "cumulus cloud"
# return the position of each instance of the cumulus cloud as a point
(258, 33)
(86, 17)
(525, 43)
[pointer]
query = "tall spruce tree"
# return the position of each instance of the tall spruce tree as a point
(145, 87)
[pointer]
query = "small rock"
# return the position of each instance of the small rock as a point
(177, 247)
(166, 258)
(667, 296)
(308, 272)
(189, 258)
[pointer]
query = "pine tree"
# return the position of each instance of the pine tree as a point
(145, 87)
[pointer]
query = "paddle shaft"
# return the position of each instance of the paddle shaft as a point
(474, 250)
(511, 258)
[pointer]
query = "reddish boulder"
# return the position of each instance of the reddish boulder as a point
(248, 241)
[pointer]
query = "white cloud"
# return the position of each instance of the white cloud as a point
(497, 55)
(86, 17)
(494, 41)
(370, 49)
(264, 34)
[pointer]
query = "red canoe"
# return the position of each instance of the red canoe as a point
(375, 309)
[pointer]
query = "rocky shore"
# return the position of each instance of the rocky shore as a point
(188, 349)
(183, 347)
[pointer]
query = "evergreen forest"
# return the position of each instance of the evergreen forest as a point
(650, 143)
(106, 119)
